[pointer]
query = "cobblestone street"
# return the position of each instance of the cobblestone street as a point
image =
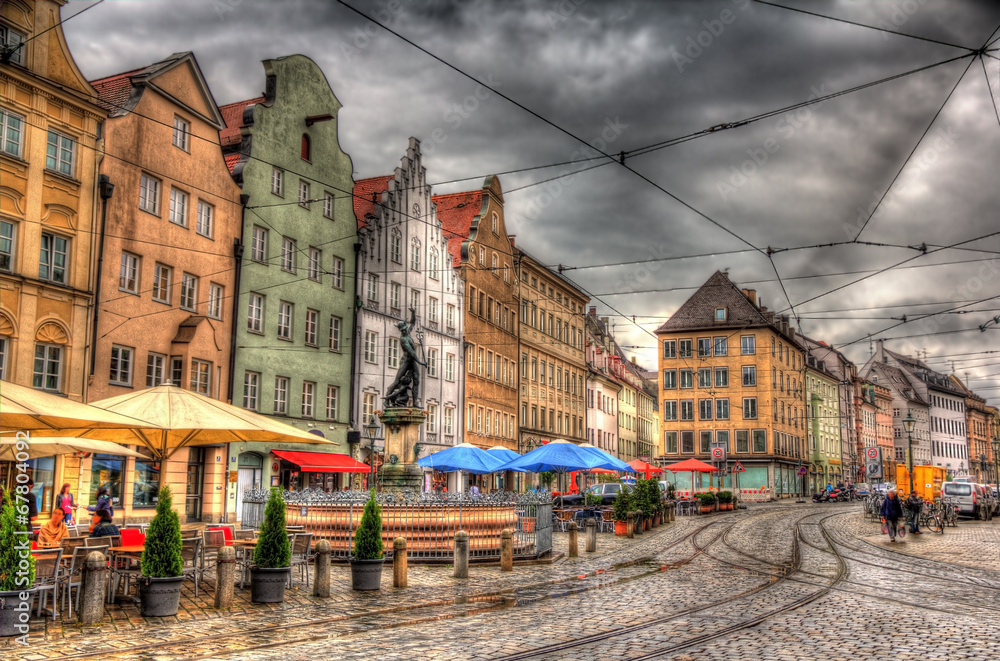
(777, 581)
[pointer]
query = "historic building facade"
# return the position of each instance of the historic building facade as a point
(167, 269)
(823, 450)
(883, 428)
(602, 386)
(295, 310)
(481, 249)
(403, 266)
(731, 373)
(50, 119)
(553, 368)
(977, 424)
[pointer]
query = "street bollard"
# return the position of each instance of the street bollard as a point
(574, 545)
(591, 535)
(630, 529)
(639, 522)
(94, 587)
(506, 550)
(321, 581)
(672, 511)
(399, 567)
(461, 554)
(225, 577)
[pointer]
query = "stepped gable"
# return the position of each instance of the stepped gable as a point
(456, 212)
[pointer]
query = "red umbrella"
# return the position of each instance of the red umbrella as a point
(691, 465)
(641, 466)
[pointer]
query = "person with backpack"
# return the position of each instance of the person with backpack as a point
(914, 504)
(892, 512)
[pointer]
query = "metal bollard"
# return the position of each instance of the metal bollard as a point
(461, 554)
(94, 586)
(574, 545)
(506, 550)
(630, 531)
(399, 568)
(591, 526)
(321, 581)
(225, 577)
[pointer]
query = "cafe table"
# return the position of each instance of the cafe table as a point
(129, 552)
(244, 552)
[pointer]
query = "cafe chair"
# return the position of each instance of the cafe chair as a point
(72, 575)
(301, 555)
(191, 557)
(47, 566)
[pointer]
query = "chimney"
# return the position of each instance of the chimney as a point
(512, 237)
(604, 321)
(632, 359)
(593, 311)
(751, 294)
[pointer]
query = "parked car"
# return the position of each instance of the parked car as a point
(965, 496)
(608, 491)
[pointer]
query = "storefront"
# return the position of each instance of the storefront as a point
(322, 471)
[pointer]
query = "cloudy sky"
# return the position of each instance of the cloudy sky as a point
(625, 75)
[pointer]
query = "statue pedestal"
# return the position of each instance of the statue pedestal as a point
(402, 435)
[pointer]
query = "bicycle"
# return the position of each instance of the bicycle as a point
(930, 518)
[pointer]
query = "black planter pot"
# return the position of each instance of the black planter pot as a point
(366, 574)
(11, 608)
(267, 586)
(160, 597)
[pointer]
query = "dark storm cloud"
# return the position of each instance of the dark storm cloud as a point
(622, 75)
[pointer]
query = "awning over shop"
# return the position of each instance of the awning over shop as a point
(322, 462)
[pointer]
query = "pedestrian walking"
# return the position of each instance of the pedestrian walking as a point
(892, 511)
(914, 504)
(65, 501)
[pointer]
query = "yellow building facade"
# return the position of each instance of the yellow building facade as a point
(731, 373)
(49, 152)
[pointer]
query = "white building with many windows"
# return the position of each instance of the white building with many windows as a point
(403, 263)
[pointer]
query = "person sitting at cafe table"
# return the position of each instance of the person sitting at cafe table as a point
(106, 528)
(52, 533)
(103, 503)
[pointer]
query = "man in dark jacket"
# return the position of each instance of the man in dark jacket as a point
(892, 511)
(914, 504)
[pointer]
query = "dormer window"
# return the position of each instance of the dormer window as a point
(720, 314)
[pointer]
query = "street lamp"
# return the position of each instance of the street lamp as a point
(996, 459)
(908, 423)
(371, 430)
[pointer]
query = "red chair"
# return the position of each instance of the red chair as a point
(34, 546)
(132, 537)
(227, 534)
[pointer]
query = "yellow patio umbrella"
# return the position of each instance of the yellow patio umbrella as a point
(186, 419)
(27, 409)
(47, 446)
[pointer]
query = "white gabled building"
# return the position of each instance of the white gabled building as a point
(403, 263)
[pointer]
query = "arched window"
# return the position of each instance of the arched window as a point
(305, 147)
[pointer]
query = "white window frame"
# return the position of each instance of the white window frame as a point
(8, 245)
(64, 160)
(311, 327)
(288, 254)
(286, 311)
(392, 353)
(281, 395)
(449, 367)
(162, 281)
(182, 131)
(9, 37)
(432, 310)
(336, 323)
(251, 391)
(432, 363)
(337, 272)
(303, 194)
(189, 292)
(201, 376)
(258, 244)
(11, 124)
(315, 264)
(50, 265)
(178, 207)
(156, 366)
(277, 182)
(128, 273)
(255, 313)
(216, 294)
(149, 194)
(120, 365)
(332, 402)
(371, 347)
(205, 224)
(308, 399)
(328, 205)
(395, 290)
(51, 354)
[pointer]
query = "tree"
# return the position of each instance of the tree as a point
(368, 538)
(624, 503)
(273, 550)
(161, 555)
(13, 576)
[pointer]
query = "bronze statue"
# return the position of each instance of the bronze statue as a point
(407, 383)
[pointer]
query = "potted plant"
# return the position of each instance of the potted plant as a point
(645, 504)
(272, 556)
(725, 500)
(623, 505)
(17, 568)
(369, 550)
(707, 501)
(161, 565)
(656, 499)
(591, 499)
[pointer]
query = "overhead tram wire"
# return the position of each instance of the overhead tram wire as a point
(7, 51)
(989, 88)
(864, 25)
(915, 147)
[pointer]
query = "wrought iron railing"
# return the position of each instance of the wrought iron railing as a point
(427, 521)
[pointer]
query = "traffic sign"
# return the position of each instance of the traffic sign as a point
(738, 468)
(873, 453)
(803, 470)
(718, 454)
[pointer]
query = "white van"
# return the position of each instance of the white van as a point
(964, 495)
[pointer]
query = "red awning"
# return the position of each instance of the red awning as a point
(322, 462)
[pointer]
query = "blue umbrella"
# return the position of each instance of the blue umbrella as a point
(557, 457)
(463, 457)
(503, 453)
(613, 463)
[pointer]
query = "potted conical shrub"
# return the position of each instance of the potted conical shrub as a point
(725, 500)
(273, 555)
(161, 565)
(623, 505)
(17, 568)
(369, 550)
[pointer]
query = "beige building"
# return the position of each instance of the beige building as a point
(553, 368)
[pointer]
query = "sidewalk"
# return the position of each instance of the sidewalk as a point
(433, 594)
(973, 544)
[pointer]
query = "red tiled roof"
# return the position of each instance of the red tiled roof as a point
(364, 189)
(456, 212)
(113, 91)
(233, 115)
(231, 160)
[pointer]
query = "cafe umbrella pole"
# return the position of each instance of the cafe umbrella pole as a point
(371, 430)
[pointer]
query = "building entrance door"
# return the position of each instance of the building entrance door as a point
(248, 476)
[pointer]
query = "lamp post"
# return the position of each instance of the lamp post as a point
(371, 430)
(996, 460)
(908, 423)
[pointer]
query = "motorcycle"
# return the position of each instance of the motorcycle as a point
(821, 497)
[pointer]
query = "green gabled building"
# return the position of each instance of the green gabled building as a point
(295, 309)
